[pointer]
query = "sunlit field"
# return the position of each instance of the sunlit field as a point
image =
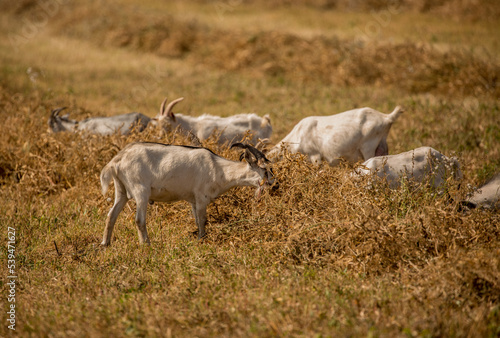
(327, 254)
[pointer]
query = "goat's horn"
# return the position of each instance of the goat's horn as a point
(162, 108)
(56, 111)
(172, 104)
(257, 153)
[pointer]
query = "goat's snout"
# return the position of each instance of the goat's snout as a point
(270, 180)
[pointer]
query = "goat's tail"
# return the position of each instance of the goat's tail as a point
(266, 121)
(395, 114)
(106, 176)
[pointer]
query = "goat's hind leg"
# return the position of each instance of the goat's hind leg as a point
(142, 200)
(200, 212)
(120, 201)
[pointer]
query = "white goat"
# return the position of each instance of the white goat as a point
(354, 135)
(98, 125)
(487, 196)
(167, 173)
(423, 164)
(228, 129)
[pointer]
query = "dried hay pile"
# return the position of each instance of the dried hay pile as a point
(320, 216)
(412, 67)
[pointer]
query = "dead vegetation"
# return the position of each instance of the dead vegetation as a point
(326, 254)
(320, 219)
(411, 66)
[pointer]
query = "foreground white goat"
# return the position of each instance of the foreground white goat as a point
(423, 164)
(166, 173)
(487, 196)
(354, 135)
(98, 125)
(229, 129)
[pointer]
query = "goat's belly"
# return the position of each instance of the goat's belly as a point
(163, 195)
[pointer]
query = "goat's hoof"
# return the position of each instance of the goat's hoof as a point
(195, 233)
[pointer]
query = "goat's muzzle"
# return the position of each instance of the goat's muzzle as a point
(265, 184)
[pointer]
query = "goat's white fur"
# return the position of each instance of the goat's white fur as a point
(424, 164)
(228, 129)
(354, 135)
(167, 173)
(103, 125)
(488, 195)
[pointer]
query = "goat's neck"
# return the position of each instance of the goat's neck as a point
(187, 122)
(68, 125)
(239, 174)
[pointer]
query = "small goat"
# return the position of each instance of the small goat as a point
(228, 129)
(423, 164)
(98, 125)
(354, 135)
(487, 196)
(167, 173)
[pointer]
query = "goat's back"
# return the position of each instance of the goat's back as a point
(160, 167)
(233, 128)
(339, 135)
(110, 124)
(415, 164)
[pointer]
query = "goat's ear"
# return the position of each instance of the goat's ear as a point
(249, 157)
(171, 116)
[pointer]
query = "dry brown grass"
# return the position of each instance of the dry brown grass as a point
(402, 260)
(325, 255)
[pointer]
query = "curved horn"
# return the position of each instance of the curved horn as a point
(56, 111)
(255, 152)
(171, 105)
(162, 107)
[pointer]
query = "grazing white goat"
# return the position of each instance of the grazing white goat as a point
(354, 135)
(229, 129)
(167, 173)
(98, 125)
(423, 164)
(487, 196)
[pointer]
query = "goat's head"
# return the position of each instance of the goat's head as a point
(166, 114)
(59, 123)
(260, 164)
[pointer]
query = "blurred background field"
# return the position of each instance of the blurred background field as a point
(322, 256)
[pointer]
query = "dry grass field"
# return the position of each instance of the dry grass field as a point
(322, 256)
